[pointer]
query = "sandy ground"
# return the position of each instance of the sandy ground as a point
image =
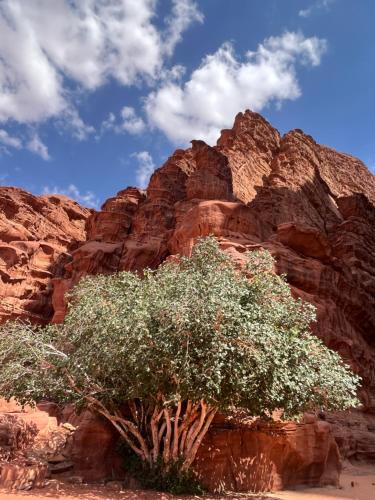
(70, 492)
(357, 483)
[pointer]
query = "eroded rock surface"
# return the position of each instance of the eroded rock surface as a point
(312, 207)
(264, 457)
(37, 234)
(18, 469)
(236, 455)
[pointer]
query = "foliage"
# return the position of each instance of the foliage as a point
(177, 344)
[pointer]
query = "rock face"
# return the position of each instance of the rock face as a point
(312, 207)
(263, 457)
(18, 469)
(36, 235)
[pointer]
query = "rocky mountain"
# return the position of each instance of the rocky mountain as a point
(312, 207)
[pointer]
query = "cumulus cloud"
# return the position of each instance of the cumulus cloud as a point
(145, 167)
(48, 46)
(223, 84)
(71, 122)
(88, 198)
(128, 121)
(30, 87)
(131, 122)
(318, 5)
(9, 140)
(35, 145)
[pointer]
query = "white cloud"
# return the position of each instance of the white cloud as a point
(131, 122)
(128, 121)
(88, 198)
(73, 123)
(184, 13)
(224, 85)
(109, 124)
(35, 145)
(45, 44)
(318, 5)
(144, 169)
(9, 140)
(30, 87)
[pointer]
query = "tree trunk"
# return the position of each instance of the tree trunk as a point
(162, 433)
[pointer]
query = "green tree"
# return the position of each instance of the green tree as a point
(159, 355)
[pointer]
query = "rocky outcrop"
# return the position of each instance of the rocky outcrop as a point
(312, 207)
(67, 444)
(264, 457)
(18, 470)
(93, 449)
(36, 235)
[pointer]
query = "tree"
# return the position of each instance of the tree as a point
(159, 355)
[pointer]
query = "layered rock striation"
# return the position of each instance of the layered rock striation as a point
(312, 207)
(37, 234)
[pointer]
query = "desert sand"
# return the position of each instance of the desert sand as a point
(357, 483)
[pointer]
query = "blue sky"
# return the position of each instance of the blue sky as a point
(94, 94)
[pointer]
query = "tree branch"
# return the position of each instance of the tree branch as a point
(196, 427)
(167, 438)
(193, 450)
(176, 432)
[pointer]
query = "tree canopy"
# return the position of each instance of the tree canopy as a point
(177, 344)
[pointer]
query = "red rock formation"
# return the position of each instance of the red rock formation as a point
(19, 468)
(312, 207)
(93, 448)
(264, 457)
(36, 235)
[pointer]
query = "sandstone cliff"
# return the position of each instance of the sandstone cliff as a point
(312, 207)
(36, 235)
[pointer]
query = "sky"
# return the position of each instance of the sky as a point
(96, 94)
